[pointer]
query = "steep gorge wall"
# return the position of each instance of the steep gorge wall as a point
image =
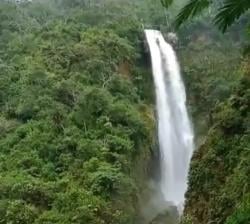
(219, 177)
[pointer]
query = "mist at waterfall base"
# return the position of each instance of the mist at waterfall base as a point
(175, 134)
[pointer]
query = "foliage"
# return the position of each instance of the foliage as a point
(210, 73)
(219, 177)
(186, 220)
(228, 12)
(76, 118)
(72, 128)
(242, 213)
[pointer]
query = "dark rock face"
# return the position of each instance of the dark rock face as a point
(172, 38)
(155, 210)
(169, 216)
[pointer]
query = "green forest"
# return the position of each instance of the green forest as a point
(78, 141)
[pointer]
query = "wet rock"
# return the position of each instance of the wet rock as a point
(172, 38)
(169, 216)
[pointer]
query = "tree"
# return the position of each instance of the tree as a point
(228, 11)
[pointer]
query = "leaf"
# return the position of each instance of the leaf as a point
(230, 12)
(167, 3)
(190, 10)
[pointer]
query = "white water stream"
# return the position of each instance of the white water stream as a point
(175, 133)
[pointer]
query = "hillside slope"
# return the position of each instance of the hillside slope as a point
(76, 124)
(219, 180)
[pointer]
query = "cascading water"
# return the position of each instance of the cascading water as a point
(175, 133)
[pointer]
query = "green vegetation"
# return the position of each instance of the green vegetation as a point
(227, 11)
(75, 130)
(210, 74)
(219, 178)
(219, 85)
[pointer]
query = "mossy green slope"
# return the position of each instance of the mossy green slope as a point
(219, 181)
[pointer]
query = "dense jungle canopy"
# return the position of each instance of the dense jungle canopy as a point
(78, 138)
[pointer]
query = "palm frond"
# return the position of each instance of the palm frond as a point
(191, 9)
(167, 3)
(230, 12)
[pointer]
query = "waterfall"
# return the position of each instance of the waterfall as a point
(175, 133)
